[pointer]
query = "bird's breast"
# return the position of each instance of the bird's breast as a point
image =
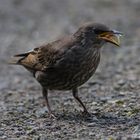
(73, 70)
(87, 67)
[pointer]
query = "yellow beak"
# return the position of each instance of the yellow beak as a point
(111, 36)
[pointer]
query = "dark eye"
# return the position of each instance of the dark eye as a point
(98, 31)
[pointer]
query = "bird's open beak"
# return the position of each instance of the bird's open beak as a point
(111, 36)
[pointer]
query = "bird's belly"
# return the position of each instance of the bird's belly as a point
(69, 78)
(66, 81)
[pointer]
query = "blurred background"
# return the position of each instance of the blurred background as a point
(25, 24)
(113, 91)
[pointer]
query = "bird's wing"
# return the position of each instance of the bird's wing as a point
(45, 56)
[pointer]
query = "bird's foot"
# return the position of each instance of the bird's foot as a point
(52, 116)
(86, 113)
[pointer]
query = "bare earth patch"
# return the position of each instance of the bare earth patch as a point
(112, 95)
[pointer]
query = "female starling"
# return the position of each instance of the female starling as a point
(68, 63)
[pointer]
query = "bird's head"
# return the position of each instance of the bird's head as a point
(100, 33)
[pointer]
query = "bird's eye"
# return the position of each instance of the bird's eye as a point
(98, 31)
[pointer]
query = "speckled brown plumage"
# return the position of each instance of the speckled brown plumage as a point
(68, 63)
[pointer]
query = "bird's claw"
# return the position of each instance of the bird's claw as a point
(52, 116)
(86, 113)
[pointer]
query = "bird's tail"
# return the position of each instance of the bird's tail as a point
(16, 59)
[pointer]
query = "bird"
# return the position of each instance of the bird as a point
(69, 62)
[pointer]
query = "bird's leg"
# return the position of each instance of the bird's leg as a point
(75, 95)
(45, 95)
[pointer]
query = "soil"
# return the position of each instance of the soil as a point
(112, 95)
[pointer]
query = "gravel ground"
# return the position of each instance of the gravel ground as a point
(112, 95)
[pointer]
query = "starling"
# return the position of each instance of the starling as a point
(69, 62)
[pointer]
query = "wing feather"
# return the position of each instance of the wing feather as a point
(45, 56)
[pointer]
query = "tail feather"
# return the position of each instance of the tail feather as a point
(28, 60)
(16, 59)
(22, 54)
